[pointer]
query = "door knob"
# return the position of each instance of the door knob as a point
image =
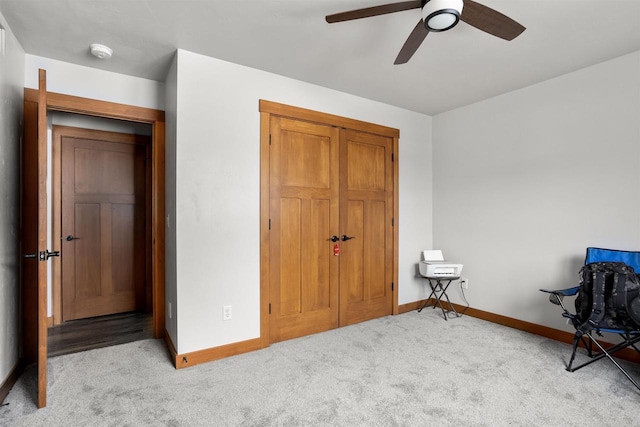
(345, 238)
(70, 238)
(334, 238)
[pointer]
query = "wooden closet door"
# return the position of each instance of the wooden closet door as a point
(366, 215)
(304, 197)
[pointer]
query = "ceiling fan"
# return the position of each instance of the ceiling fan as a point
(439, 15)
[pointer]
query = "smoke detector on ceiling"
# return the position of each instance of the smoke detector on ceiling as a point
(101, 51)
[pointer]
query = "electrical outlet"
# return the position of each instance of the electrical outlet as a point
(226, 312)
(464, 283)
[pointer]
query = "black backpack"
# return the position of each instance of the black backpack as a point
(609, 297)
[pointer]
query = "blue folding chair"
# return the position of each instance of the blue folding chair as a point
(628, 331)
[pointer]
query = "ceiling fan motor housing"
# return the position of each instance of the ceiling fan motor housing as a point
(441, 15)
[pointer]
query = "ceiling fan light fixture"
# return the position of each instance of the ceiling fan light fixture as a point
(441, 15)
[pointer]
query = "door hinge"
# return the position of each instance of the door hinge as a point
(269, 139)
(269, 308)
(269, 223)
(393, 157)
(392, 287)
(393, 222)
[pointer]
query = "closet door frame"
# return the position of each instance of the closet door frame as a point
(267, 109)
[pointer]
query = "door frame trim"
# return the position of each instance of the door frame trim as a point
(156, 118)
(269, 108)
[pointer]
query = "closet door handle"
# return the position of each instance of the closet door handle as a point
(345, 237)
(334, 238)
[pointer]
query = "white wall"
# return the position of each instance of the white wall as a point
(218, 182)
(71, 79)
(524, 182)
(11, 100)
(170, 203)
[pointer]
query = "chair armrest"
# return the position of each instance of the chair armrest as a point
(564, 292)
(558, 295)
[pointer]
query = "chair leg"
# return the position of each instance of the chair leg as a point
(631, 341)
(579, 336)
(614, 361)
(576, 339)
(587, 345)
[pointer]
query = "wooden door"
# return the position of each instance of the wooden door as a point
(103, 223)
(304, 197)
(366, 215)
(298, 180)
(34, 235)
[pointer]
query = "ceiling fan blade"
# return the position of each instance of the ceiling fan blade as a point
(374, 11)
(412, 44)
(490, 21)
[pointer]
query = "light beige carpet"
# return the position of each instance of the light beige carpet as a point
(414, 369)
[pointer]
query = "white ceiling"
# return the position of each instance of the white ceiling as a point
(291, 38)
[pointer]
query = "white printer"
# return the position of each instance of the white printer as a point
(434, 266)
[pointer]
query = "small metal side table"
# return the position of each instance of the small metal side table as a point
(439, 287)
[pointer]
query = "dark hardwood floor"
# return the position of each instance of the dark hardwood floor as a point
(98, 332)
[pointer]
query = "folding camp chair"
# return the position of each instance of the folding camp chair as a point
(629, 332)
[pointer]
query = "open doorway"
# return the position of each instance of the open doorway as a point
(34, 214)
(100, 202)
